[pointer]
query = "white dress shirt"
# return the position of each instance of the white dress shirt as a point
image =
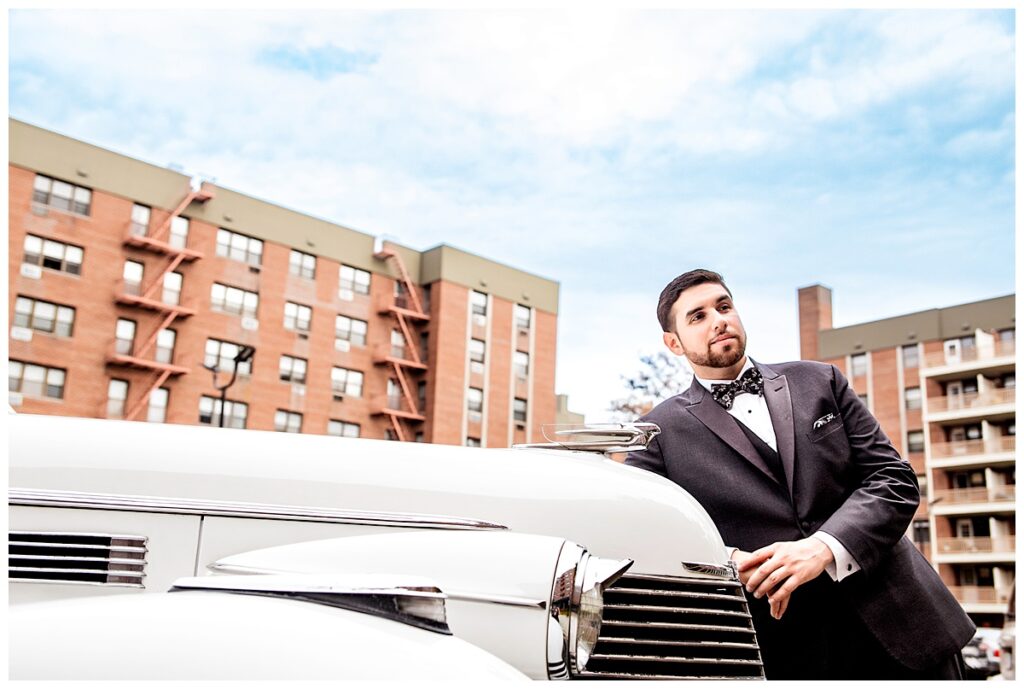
(752, 412)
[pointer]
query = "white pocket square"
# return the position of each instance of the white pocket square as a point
(824, 420)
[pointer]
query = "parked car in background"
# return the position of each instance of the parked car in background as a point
(980, 658)
(152, 551)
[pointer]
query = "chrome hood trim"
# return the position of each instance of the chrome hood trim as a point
(218, 508)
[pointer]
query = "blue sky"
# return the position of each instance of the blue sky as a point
(870, 151)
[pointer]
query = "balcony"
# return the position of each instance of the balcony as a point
(975, 549)
(135, 235)
(972, 405)
(395, 354)
(998, 355)
(974, 500)
(981, 598)
(130, 294)
(123, 353)
(393, 405)
(398, 303)
(967, 452)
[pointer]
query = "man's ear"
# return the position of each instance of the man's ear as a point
(672, 342)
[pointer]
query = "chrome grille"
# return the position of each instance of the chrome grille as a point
(76, 558)
(661, 627)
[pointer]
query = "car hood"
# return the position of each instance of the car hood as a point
(614, 510)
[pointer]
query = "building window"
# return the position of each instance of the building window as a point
(390, 434)
(124, 336)
(165, 346)
(44, 316)
(911, 356)
(239, 247)
(297, 316)
(521, 365)
(351, 330)
(352, 280)
(343, 429)
(157, 412)
(172, 288)
(421, 395)
(522, 317)
(912, 398)
(34, 380)
(235, 413)
(292, 369)
(472, 442)
(397, 344)
(221, 355)
(346, 382)
(475, 400)
(1009, 380)
(233, 300)
(476, 353)
(287, 421)
(425, 346)
(132, 274)
(179, 232)
(478, 303)
(140, 220)
(302, 264)
(394, 394)
(915, 441)
(519, 410)
(921, 532)
(117, 396)
(61, 195)
(864, 398)
(53, 255)
(858, 365)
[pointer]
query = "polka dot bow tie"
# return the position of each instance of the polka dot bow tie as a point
(751, 381)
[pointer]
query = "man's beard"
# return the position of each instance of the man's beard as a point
(723, 359)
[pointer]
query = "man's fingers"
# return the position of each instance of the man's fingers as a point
(770, 582)
(754, 559)
(760, 574)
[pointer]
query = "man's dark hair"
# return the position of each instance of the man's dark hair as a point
(682, 283)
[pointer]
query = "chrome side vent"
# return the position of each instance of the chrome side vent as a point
(661, 627)
(76, 558)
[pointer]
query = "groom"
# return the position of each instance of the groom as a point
(812, 496)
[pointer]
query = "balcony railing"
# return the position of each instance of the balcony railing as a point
(968, 448)
(961, 496)
(975, 544)
(979, 595)
(971, 400)
(969, 354)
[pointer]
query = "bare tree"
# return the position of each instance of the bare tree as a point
(661, 376)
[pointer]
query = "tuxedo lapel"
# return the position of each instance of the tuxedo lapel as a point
(718, 421)
(780, 408)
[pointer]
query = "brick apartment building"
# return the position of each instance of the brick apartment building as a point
(126, 280)
(941, 383)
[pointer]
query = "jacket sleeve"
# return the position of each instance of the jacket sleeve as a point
(649, 458)
(884, 494)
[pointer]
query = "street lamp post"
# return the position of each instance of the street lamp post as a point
(244, 355)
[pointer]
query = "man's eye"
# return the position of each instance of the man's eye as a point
(724, 307)
(697, 317)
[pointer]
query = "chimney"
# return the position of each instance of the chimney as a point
(815, 306)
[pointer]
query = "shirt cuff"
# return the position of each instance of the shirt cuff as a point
(843, 565)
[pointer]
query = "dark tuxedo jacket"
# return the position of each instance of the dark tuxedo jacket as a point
(842, 476)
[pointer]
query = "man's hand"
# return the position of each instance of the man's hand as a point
(781, 568)
(739, 557)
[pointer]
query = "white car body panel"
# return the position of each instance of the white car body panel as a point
(221, 636)
(494, 594)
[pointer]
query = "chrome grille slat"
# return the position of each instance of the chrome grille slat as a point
(657, 608)
(82, 558)
(675, 659)
(663, 627)
(76, 558)
(77, 546)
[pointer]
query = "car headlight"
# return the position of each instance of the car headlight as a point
(577, 606)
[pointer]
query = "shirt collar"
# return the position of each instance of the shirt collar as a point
(707, 383)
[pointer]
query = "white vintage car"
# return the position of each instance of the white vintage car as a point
(150, 551)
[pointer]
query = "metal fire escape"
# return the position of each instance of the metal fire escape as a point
(145, 357)
(406, 307)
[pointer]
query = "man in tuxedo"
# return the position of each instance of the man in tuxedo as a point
(811, 496)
